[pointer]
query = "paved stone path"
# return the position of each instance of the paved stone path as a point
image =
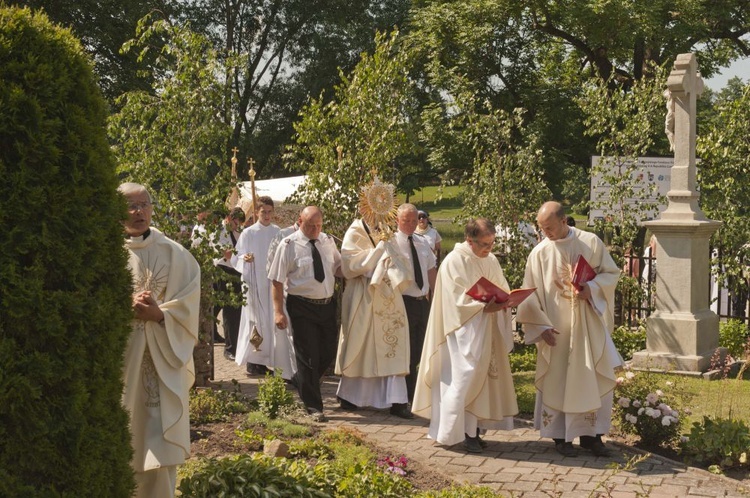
(515, 463)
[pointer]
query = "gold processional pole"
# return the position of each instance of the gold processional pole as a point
(255, 338)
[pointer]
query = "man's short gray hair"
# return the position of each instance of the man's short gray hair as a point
(129, 188)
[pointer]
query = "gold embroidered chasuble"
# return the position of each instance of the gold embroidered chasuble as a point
(464, 370)
(573, 376)
(374, 339)
(159, 370)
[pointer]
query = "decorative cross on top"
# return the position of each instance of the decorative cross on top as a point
(685, 85)
(251, 172)
(234, 164)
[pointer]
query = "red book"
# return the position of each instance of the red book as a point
(484, 290)
(582, 273)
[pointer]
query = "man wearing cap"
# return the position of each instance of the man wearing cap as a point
(416, 294)
(425, 229)
(306, 263)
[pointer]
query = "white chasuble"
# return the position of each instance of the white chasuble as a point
(464, 381)
(575, 378)
(159, 368)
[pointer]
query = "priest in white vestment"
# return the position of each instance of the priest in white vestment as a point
(576, 361)
(257, 312)
(373, 350)
(159, 368)
(465, 383)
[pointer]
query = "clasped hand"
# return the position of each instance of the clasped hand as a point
(146, 308)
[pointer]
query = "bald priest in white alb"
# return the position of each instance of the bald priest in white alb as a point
(465, 383)
(576, 360)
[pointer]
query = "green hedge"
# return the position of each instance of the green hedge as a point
(64, 286)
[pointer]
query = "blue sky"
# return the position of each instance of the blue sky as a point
(740, 68)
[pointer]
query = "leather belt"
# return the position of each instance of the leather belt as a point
(325, 300)
(416, 298)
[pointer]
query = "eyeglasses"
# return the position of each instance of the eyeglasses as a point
(422, 217)
(138, 206)
(483, 245)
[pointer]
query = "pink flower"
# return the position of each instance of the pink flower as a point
(652, 398)
(637, 403)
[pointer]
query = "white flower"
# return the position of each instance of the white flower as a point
(656, 414)
(631, 418)
(623, 402)
(665, 409)
(687, 411)
(669, 383)
(652, 398)
(641, 410)
(620, 380)
(629, 375)
(637, 404)
(666, 421)
(684, 439)
(675, 414)
(659, 392)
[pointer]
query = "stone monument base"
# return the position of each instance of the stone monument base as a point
(677, 364)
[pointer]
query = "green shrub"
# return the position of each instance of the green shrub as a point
(628, 340)
(523, 358)
(249, 476)
(720, 442)
(273, 396)
(215, 405)
(733, 335)
(65, 290)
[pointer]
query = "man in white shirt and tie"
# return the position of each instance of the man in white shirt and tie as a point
(418, 255)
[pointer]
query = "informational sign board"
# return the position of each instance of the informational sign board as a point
(648, 171)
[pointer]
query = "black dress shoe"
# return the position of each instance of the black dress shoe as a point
(566, 449)
(218, 339)
(482, 442)
(472, 444)
(229, 355)
(256, 369)
(401, 410)
(597, 448)
(347, 405)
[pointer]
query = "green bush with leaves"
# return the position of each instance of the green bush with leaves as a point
(215, 405)
(65, 290)
(463, 491)
(629, 340)
(523, 358)
(273, 396)
(250, 476)
(721, 443)
(733, 335)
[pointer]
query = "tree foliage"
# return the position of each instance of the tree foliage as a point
(369, 127)
(103, 26)
(628, 125)
(65, 291)
(288, 51)
(722, 174)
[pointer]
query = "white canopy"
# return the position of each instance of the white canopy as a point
(278, 189)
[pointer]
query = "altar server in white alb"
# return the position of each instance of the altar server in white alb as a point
(159, 367)
(465, 384)
(257, 313)
(576, 361)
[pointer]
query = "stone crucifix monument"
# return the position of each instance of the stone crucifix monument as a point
(683, 333)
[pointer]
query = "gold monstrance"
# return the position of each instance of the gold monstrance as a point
(377, 205)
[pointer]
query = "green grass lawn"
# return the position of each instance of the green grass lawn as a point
(442, 212)
(712, 398)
